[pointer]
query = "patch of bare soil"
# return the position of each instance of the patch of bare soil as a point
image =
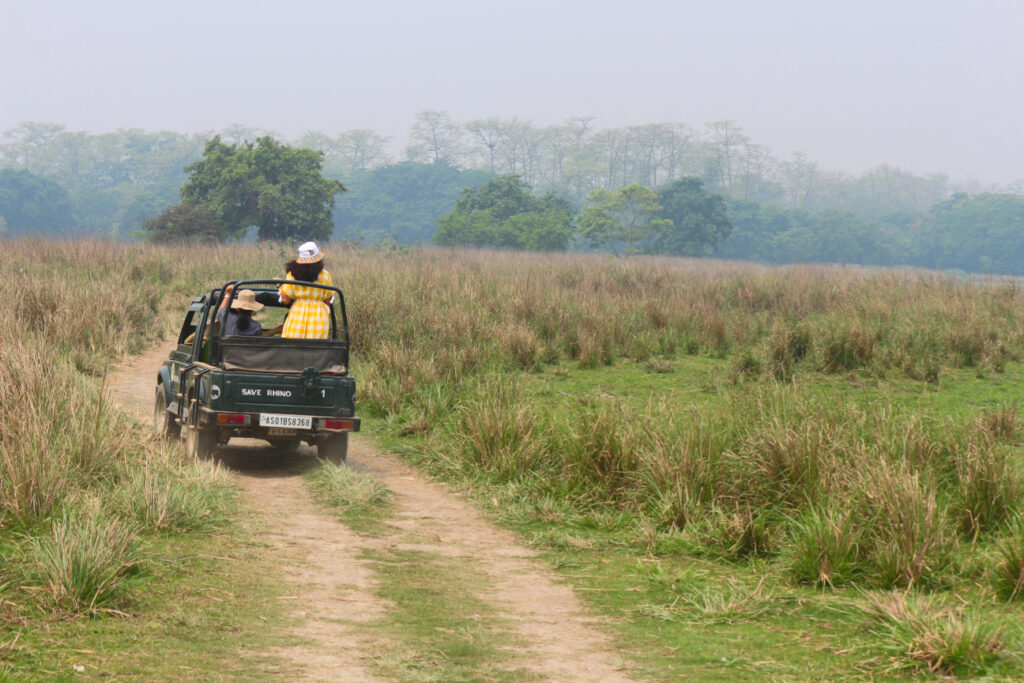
(333, 590)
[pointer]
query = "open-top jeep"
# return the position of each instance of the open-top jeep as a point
(214, 386)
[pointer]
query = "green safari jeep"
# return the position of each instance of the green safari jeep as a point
(213, 387)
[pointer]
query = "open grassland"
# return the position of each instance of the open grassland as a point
(788, 472)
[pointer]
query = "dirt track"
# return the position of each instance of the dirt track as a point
(333, 590)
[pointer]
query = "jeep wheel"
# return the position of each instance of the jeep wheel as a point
(199, 444)
(163, 424)
(335, 449)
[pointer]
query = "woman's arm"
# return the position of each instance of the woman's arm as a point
(326, 279)
(285, 292)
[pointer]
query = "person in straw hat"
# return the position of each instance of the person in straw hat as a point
(239, 319)
(309, 316)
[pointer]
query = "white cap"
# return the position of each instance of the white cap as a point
(309, 253)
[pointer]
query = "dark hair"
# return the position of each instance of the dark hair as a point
(243, 318)
(305, 272)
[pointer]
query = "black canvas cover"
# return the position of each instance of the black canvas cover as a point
(274, 354)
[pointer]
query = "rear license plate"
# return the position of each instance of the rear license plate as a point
(280, 431)
(286, 421)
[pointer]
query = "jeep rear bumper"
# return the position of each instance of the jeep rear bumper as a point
(250, 422)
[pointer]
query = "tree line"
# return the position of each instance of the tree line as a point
(612, 189)
(982, 233)
(121, 175)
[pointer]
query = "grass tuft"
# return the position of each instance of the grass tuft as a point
(84, 562)
(1008, 578)
(824, 547)
(990, 486)
(164, 495)
(907, 536)
(918, 632)
(353, 493)
(698, 604)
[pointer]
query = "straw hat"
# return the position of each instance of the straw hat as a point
(246, 300)
(309, 253)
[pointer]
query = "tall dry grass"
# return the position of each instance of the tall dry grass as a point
(835, 494)
(432, 328)
(444, 315)
(78, 481)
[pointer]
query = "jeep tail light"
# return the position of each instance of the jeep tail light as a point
(232, 418)
(337, 424)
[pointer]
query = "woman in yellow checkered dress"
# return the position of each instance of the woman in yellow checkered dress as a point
(310, 315)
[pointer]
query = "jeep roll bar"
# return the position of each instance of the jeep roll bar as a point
(271, 285)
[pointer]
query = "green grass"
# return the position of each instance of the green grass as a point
(115, 555)
(359, 500)
(203, 606)
(704, 382)
(729, 611)
(166, 495)
(681, 613)
(442, 627)
(685, 618)
(922, 633)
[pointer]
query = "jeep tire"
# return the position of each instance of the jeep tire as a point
(163, 424)
(334, 449)
(199, 443)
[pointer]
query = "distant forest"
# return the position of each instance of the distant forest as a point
(59, 182)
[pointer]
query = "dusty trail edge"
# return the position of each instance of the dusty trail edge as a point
(333, 590)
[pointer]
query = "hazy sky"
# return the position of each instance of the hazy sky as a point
(928, 85)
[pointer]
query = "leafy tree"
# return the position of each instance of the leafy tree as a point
(503, 197)
(622, 220)
(755, 227)
(547, 230)
(115, 178)
(402, 201)
(697, 220)
(465, 229)
(842, 237)
(362, 149)
(351, 152)
(184, 223)
(503, 214)
(770, 233)
(32, 146)
(29, 203)
(981, 233)
(279, 189)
